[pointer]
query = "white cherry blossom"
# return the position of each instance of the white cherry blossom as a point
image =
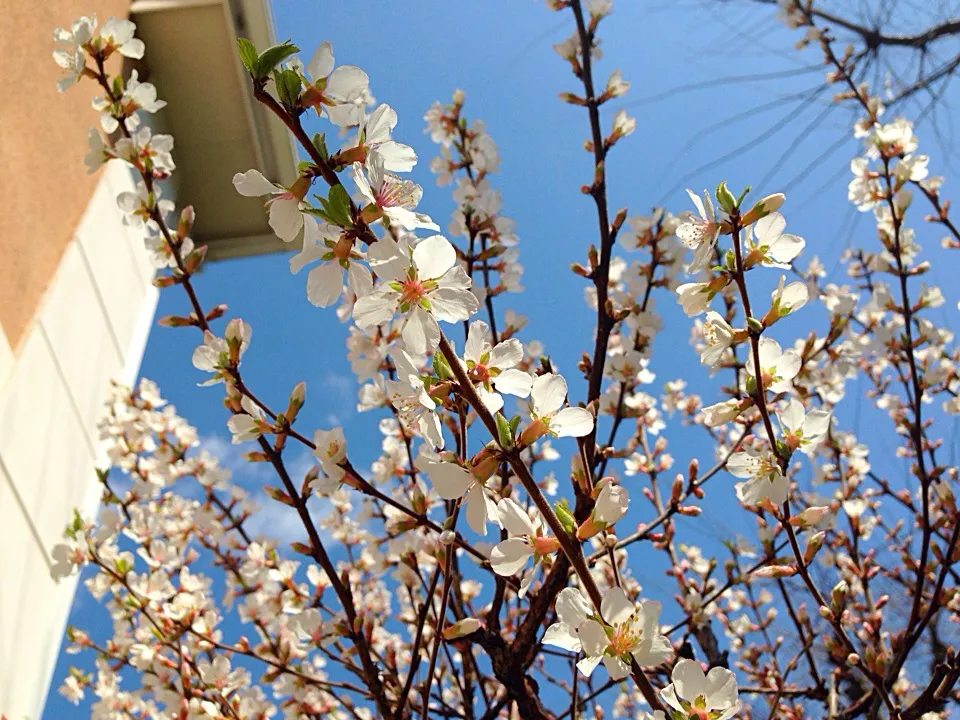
(117, 35)
(452, 482)
(424, 285)
(773, 247)
(788, 298)
(695, 695)
(413, 403)
(389, 196)
(779, 367)
(695, 297)
(717, 337)
(572, 610)
(333, 92)
(803, 430)
(331, 451)
(700, 233)
(623, 632)
(549, 393)
(284, 207)
(528, 539)
(764, 478)
(375, 135)
(215, 354)
(336, 253)
(494, 369)
(70, 55)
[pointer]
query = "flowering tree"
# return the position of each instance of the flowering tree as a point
(393, 606)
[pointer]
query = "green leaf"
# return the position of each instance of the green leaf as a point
(273, 56)
(730, 261)
(504, 435)
(743, 195)
(248, 54)
(441, 367)
(565, 516)
(320, 143)
(337, 206)
(726, 199)
(288, 87)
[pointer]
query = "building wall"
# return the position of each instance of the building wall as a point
(76, 305)
(90, 327)
(43, 134)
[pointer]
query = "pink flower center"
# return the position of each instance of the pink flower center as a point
(395, 193)
(412, 291)
(480, 374)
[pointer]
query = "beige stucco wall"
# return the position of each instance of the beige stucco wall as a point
(44, 183)
(76, 306)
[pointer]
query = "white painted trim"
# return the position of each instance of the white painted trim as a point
(6, 358)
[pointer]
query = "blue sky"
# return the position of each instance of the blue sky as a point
(716, 96)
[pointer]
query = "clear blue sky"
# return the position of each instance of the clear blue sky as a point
(499, 52)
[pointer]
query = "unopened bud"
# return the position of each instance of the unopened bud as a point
(593, 257)
(676, 489)
(568, 97)
(187, 217)
(813, 547)
(838, 597)
(776, 571)
(447, 537)
(769, 204)
(811, 516)
(461, 628)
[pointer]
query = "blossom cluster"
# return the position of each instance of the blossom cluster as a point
(385, 604)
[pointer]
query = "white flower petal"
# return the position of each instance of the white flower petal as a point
(509, 556)
(769, 228)
(549, 391)
(561, 635)
(452, 305)
(321, 64)
(433, 256)
(346, 84)
(374, 309)
(688, 679)
(514, 518)
(476, 509)
(449, 480)
(421, 332)
(514, 382)
(325, 284)
(507, 354)
(588, 665)
(572, 608)
(476, 341)
(252, 183)
(286, 218)
(571, 422)
(616, 667)
(593, 637)
(616, 607)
